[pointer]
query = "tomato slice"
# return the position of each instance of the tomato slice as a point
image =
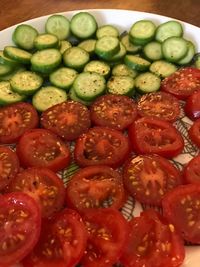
(62, 242)
(20, 222)
(149, 177)
(95, 187)
(43, 185)
(15, 119)
(191, 172)
(192, 106)
(194, 132)
(155, 136)
(68, 119)
(9, 166)
(114, 111)
(101, 146)
(182, 83)
(181, 207)
(107, 230)
(42, 148)
(159, 105)
(152, 242)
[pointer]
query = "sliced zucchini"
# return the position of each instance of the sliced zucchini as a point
(47, 97)
(107, 46)
(58, 25)
(99, 67)
(136, 63)
(107, 30)
(123, 70)
(64, 45)
(162, 68)
(189, 55)
(121, 85)
(147, 82)
(168, 29)
(130, 48)
(46, 40)
(9, 76)
(17, 54)
(74, 97)
(118, 56)
(153, 51)
(88, 45)
(7, 96)
(5, 69)
(197, 61)
(7, 61)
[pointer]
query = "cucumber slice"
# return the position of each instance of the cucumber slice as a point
(47, 97)
(59, 26)
(74, 97)
(118, 56)
(136, 63)
(5, 69)
(83, 25)
(7, 96)
(76, 58)
(17, 54)
(64, 45)
(46, 61)
(168, 29)
(9, 76)
(107, 30)
(153, 51)
(46, 40)
(130, 48)
(174, 49)
(63, 77)
(107, 46)
(24, 36)
(89, 85)
(121, 85)
(26, 82)
(123, 70)
(88, 46)
(142, 32)
(6, 60)
(99, 67)
(189, 55)
(162, 68)
(147, 82)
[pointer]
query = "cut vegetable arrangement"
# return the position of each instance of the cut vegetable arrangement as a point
(102, 109)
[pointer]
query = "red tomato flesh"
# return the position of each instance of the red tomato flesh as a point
(192, 106)
(191, 172)
(194, 133)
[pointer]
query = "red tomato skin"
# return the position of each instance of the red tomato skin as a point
(194, 133)
(27, 158)
(17, 132)
(191, 171)
(8, 155)
(192, 106)
(34, 226)
(137, 137)
(38, 183)
(182, 83)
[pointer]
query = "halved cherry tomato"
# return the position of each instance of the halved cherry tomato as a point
(194, 132)
(43, 185)
(155, 136)
(149, 177)
(181, 207)
(92, 186)
(68, 119)
(42, 148)
(9, 166)
(101, 146)
(159, 105)
(191, 172)
(114, 111)
(152, 242)
(192, 106)
(108, 231)
(182, 83)
(20, 223)
(62, 242)
(15, 119)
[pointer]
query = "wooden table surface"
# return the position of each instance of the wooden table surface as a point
(15, 11)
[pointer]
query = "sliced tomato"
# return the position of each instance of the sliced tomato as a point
(108, 231)
(95, 187)
(194, 132)
(62, 242)
(15, 119)
(152, 242)
(9, 166)
(114, 111)
(43, 185)
(191, 172)
(155, 136)
(192, 106)
(101, 146)
(149, 177)
(159, 105)
(20, 223)
(181, 207)
(182, 83)
(68, 119)
(42, 148)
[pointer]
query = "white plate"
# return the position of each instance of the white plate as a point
(123, 19)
